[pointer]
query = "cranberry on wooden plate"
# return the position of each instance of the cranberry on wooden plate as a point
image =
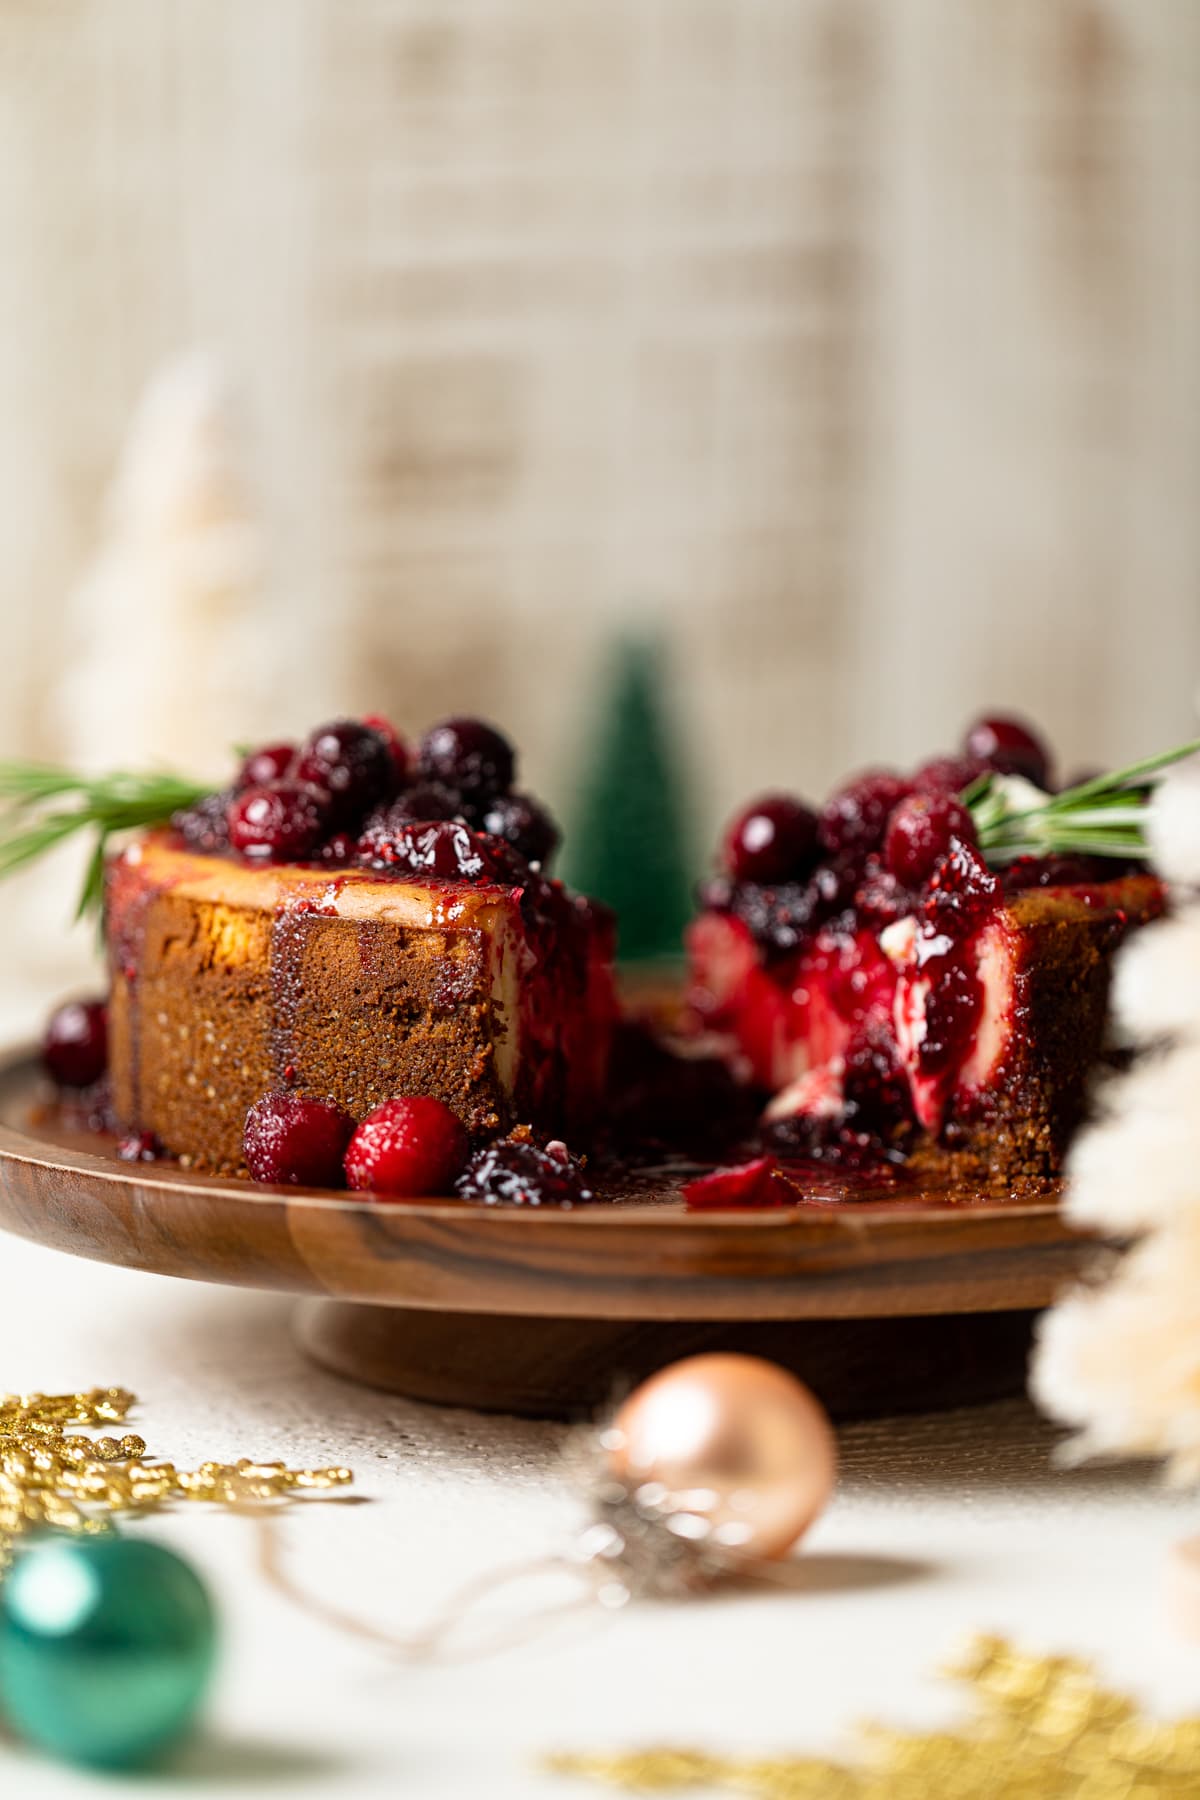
(295, 1141)
(408, 1148)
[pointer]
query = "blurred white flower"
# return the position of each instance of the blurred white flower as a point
(1173, 824)
(1121, 1362)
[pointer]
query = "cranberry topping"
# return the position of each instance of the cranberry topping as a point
(514, 1171)
(1011, 747)
(139, 1146)
(747, 1184)
(352, 762)
(295, 1141)
(962, 892)
(338, 850)
(854, 819)
(948, 774)
(469, 756)
(921, 831)
(397, 747)
(882, 897)
(75, 1043)
(271, 763)
(523, 823)
(281, 822)
(434, 847)
(406, 1148)
(204, 825)
(877, 1095)
(773, 839)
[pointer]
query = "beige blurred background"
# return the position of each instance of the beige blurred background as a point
(853, 344)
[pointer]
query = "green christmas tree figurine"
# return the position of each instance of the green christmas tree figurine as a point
(630, 842)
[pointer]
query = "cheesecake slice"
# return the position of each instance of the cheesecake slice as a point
(892, 997)
(231, 981)
(351, 922)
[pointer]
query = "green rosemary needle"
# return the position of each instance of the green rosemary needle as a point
(1105, 816)
(41, 806)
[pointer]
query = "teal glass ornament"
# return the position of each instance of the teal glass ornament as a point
(107, 1645)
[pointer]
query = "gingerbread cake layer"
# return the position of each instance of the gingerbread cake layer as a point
(230, 981)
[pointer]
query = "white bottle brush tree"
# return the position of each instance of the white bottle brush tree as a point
(1119, 1359)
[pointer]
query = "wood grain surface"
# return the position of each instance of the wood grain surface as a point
(644, 1260)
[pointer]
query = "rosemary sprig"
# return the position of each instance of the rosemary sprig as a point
(40, 807)
(1105, 816)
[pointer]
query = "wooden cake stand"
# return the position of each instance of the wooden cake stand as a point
(909, 1301)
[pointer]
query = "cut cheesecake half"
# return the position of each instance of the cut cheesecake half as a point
(231, 980)
(893, 997)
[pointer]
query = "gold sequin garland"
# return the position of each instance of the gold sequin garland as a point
(1044, 1730)
(53, 1476)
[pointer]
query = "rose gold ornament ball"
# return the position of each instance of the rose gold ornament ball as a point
(734, 1440)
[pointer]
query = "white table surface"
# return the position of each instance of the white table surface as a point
(942, 1525)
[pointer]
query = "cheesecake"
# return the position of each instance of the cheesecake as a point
(892, 996)
(349, 946)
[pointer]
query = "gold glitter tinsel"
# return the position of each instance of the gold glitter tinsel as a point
(53, 1476)
(1044, 1729)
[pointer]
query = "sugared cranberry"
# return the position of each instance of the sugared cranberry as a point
(352, 762)
(295, 1141)
(139, 1146)
(397, 747)
(1011, 747)
(271, 763)
(748, 1184)
(339, 850)
(204, 825)
(515, 1171)
(406, 1148)
(281, 822)
(773, 839)
(523, 823)
(854, 819)
(920, 831)
(948, 774)
(437, 847)
(470, 757)
(75, 1043)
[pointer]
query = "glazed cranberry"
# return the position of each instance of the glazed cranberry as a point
(773, 839)
(470, 757)
(281, 822)
(406, 1148)
(139, 1146)
(204, 825)
(748, 1184)
(921, 831)
(397, 747)
(294, 1141)
(351, 762)
(271, 763)
(517, 1172)
(523, 823)
(75, 1043)
(961, 893)
(948, 774)
(1011, 747)
(876, 1093)
(436, 847)
(883, 897)
(854, 819)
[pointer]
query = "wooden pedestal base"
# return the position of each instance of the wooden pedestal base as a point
(567, 1368)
